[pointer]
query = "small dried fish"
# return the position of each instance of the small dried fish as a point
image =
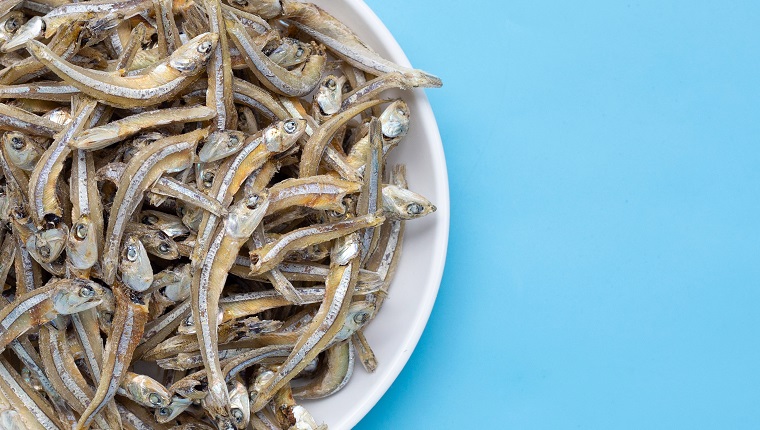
(161, 83)
(57, 297)
(197, 217)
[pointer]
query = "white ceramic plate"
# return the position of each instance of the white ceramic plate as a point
(397, 328)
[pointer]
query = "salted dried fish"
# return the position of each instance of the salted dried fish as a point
(160, 84)
(57, 297)
(196, 209)
(238, 226)
(100, 137)
(127, 329)
(21, 151)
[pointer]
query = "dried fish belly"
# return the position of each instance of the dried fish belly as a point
(197, 216)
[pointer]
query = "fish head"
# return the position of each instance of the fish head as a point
(163, 246)
(281, 136)
(191, 58)
(138, 143)
(77, 295)
(187, 326)
(261, 380)
(217, 405)
(10, 23)
(47, 244)
(14, 141)
(106, 310)
(346, 249)
(289, 52)
(240, 405)
(176, 406)
(224, 422)
(266, 9)
(32, 29)
(400, 203)
(179, 288)
(395, 119)
(21, 150)
(205, 174)
(191, 215)
(169, 224)
(147, 391)
(82, 245)
(329, 95)
(11, 420)
(245, 215)
(136, 271)
(359, 314)
(221, 144)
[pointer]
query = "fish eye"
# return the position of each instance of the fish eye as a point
(150, 219)
(361, 317)
(12, 24)
(299, 52)
(414, 208)
(132, 253)
(44, 251)
(241, 2)
(208, 178)
(51, 220)
(164, 248)
(80, 231)
(107, 316)
(252, 202)
(189, 321)
(86, 292)
(17, 143)
(233, 141)
(154, 399)
(19, 212)
(290, 126)
(331, 84)
(164, 411)
(237, 414)
(205, 47)
(346, 87)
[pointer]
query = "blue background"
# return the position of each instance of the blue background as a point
(603, 260)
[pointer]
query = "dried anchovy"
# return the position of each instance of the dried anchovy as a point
(197, 208)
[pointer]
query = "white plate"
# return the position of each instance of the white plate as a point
(397, 328)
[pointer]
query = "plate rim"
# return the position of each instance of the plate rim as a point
(409, 344)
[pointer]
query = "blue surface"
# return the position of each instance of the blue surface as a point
(605, 186)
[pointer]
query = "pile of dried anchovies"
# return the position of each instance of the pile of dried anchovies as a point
(197, 216)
